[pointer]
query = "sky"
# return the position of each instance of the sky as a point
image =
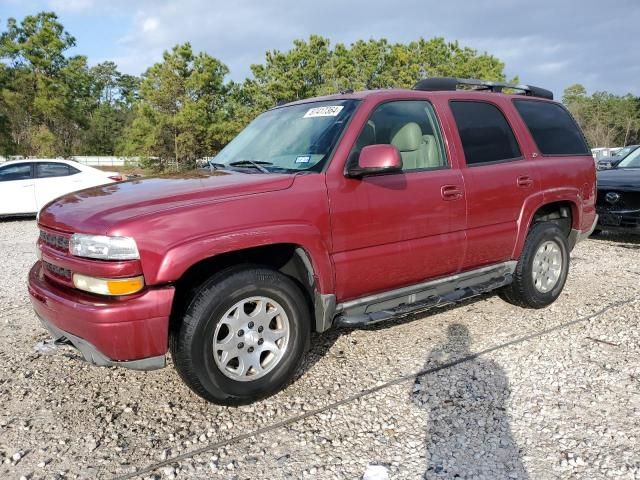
(548, 43)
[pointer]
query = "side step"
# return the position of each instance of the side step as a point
(417, 298)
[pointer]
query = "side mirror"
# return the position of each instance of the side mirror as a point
(376, 160)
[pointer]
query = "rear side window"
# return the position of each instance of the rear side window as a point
(485, 134)
(21, 171)
(552, 127)
(54, 169)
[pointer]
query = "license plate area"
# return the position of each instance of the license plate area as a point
(610, 219)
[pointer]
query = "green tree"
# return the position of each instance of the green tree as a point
(606, 119)
(35, 97)
(313, 68)
(114, 96)
(180, 99)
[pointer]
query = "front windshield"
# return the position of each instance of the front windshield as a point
(632, 160)
(290, 138)
(623, 152)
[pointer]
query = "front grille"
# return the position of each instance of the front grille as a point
(618, 200)
(55, 241)
(58, 271)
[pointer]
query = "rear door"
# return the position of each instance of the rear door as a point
(497, 177)
(398, 229)
(16, 189)
(54, 179)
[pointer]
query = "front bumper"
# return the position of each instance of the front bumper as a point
(619, 220)
(130, 331)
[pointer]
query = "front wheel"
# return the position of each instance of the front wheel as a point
(242, 336)
(542, 269)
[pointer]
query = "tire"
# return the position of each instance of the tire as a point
(543, 237)
(210, 314)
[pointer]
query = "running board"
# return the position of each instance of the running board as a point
(421, 297)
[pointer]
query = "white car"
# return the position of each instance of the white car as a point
(27, 185)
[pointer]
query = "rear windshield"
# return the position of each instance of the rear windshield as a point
(552, 127)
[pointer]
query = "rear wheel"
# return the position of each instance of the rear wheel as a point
(242, 336)
(542, 269)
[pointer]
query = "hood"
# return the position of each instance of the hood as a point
(620, 178)
(95, 210)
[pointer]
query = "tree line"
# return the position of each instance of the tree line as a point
(184, 107)
(607, 120)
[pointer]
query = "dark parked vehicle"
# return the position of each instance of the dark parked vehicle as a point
(618, 201)
(614, 160)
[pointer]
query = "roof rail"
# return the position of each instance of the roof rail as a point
(451, 83)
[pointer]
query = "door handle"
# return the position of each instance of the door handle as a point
(525, 181)
(451, 192)
(25, 186)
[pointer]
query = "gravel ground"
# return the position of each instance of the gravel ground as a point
(482, 390)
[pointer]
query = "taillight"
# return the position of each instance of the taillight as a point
(116, 178)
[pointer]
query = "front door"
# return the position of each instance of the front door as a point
(398, 229)
(16, 189)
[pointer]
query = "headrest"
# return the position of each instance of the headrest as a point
(408, 137)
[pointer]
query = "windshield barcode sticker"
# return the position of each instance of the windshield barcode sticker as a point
(328, 111)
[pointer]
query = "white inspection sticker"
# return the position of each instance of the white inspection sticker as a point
(328, 111)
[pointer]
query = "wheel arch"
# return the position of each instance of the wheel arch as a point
(291, 259)
(563, 211)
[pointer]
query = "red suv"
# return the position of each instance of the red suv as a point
(344, 210)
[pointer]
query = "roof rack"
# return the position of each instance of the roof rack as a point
(451, 83)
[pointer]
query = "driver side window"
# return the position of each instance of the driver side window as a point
(20, 171)
(412, 127)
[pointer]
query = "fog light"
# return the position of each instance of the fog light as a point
(108, 286)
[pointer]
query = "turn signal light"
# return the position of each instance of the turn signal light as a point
(108, 286)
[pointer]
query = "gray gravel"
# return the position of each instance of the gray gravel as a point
(504, 393)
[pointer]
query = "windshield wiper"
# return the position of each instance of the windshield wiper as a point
(215, 166)
(257, 164)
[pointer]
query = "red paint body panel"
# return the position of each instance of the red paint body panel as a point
(362, 236)
(122, 329)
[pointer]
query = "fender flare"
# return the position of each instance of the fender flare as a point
(534, 202)
(179, 258)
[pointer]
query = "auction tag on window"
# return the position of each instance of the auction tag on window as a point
(328, 111)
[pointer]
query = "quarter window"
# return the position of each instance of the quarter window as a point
(485, 133)
(54, 169)
(21, 171)
(412, 127)
(552, 127)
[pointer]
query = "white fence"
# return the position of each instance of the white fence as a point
(94, 161)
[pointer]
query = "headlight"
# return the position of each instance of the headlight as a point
(103, 247)
(108, 286)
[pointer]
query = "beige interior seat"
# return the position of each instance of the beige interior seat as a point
(408, 139)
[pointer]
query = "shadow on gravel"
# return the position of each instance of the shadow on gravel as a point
(17, 218)
(467, 428)
(624, 240)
